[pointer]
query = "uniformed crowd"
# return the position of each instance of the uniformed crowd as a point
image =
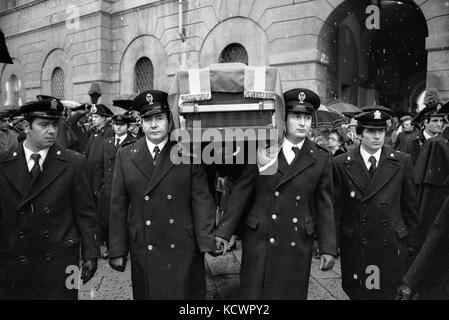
(82, 183)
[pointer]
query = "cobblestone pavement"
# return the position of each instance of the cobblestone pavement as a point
(222, 280)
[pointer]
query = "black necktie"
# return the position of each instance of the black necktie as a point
(296, 151)
(117, 142)
(36, 169)
(373, 165)
(156, 153)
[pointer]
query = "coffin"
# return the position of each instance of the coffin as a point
(227, 97)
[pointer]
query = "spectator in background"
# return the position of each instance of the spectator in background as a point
(405, 128)
(8, 137)
(337, 140)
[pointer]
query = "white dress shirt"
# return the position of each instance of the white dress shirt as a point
(288, 153)
(366, 155)
(151, 145)
(426, 135)
(287, 149)
(30, 162)
(121, 138)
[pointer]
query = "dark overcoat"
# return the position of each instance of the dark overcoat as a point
(165, 217)
(45, 221)
(428, 273)
(103, 176)
(93, 148)
(432, 178)
(289, 207)
(377, 221)
(413, 145)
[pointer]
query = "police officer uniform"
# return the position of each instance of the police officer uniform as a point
(413, 143)
(46, 218)
(95, 140)
(376, 213)
(104, 172)
(290, 206)
(162, 213)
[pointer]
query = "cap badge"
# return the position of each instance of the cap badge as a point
(54, 104)
(93, 109)
(150, 98)
(301, 97)
(438, 107)
(377, 115)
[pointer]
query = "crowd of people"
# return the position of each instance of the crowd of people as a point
(85, 183)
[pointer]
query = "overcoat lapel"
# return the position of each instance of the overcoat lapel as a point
(53, 166)
(142, 158)
(305, 159)
(163, 166)
(356, 170)
(388, 166)
(110, 149)
(16, 169)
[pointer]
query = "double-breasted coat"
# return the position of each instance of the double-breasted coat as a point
(103, 176)
(289, 207)
(44, 222)
(377, 221)
(164, 216)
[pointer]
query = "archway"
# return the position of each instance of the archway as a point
(252, 37)
(151, 48)
(390, 62)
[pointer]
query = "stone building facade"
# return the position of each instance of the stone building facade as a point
(343, 49)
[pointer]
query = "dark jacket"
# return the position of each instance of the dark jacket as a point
(44, 223)
(164, 216)
(428, 274)
(290, 206)
(413, 144)
(93, 149)
(432, 178)
(103, 176)
(376, 220)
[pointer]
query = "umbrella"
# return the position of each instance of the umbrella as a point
(4, 54)
(344, 107)
(326, 119)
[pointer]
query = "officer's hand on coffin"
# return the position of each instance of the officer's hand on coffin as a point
(326, 262)
(89, 267)
(118, 263)
(403, 292)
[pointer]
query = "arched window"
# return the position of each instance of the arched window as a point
(143, 75)
(57, 83)
(234, 52)
(14, 88)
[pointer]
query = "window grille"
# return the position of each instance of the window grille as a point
(143, 75)
(234, 52)
(15, 90)
(57, 83)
